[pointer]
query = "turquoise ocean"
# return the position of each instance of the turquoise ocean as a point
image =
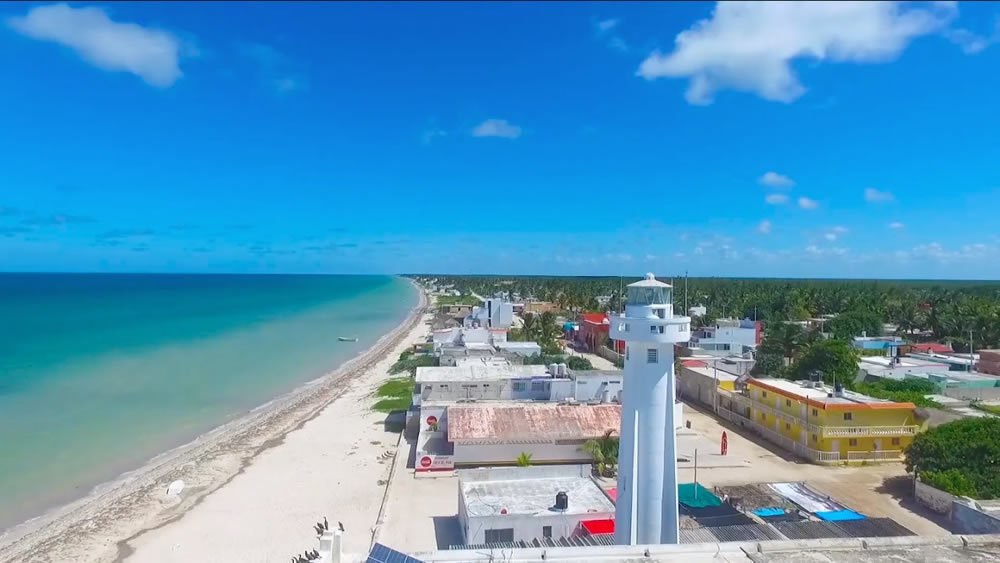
(101, 372)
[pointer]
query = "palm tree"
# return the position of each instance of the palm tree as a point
(604, 451)
(790, 337)
(530, 328)
(548, 330)
(523, 460)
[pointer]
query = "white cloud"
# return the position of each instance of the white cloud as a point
(274, 67)
(972, 43)
(605, 30)
(650, 257)
(830, 236)
(839, 229)
(431, 134)
(497, 128)
(775, 180)
(685, 236)
(607, 25)
(806, 203)
(151, 54)
(873, 195)
(749, 46)
(776, 199)
(896, 225)
(764, 227)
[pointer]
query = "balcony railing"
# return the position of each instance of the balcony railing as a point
(835, 431)
(823, 431)
(877, 455)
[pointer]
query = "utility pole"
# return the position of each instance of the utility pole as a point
(685, 292)
(972, 357)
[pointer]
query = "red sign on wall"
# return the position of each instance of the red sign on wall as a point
(436, 463)
(432, 420)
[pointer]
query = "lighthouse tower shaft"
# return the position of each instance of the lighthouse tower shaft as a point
(646, 511)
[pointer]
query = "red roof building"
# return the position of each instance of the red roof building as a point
(932, 347)
(594, 330)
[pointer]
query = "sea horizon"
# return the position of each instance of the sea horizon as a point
(102, 372)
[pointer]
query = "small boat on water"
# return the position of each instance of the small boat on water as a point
(347, 339)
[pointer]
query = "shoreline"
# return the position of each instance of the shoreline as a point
(98, 526)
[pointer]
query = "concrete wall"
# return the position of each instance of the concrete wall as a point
(979, 394)
(966, 518)
(934, 499)
(475, 454)
(609, 355)
(528, 527)
(592, 387)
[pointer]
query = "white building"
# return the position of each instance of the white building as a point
(493, 313)
(728, 337)
(697, 311)
(520, 503)
(647, 510)
(524, 349)
(481, 379)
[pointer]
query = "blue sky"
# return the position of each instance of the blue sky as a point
(744, 139)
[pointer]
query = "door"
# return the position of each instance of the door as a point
(835, 446)
(878, 444)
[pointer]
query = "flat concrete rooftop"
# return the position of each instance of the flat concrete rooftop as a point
(820, 394)
(913, 549)
(477, 372)
(531, 491)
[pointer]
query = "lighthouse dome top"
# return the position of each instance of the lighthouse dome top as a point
(649, 281)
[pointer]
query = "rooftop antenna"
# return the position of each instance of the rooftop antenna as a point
(685, 291)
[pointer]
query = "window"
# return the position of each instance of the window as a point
(538, 386)
(443, 386)
(895, 441)
(788, 426)
(502, 535)
(652, 329)
(626, 327)
(815, 412)
(788, 402)
(853, 442)
(485, 385)
(519, 386)
(814, 438)
(626, 352)
(763, 416)
(763, 394)
(614, 383)
(546, 531)
(848, 416)
(661, 330)
(662, 313)
(652, 356)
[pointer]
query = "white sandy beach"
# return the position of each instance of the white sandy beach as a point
(254, 487)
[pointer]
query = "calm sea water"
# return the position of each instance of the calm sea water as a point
(99, 373)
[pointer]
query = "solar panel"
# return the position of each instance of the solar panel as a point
(383, 554)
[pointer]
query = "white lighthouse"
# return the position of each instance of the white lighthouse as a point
(646, 511)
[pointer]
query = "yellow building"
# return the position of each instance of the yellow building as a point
(821, 424)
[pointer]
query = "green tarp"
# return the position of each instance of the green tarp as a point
(693, 495)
